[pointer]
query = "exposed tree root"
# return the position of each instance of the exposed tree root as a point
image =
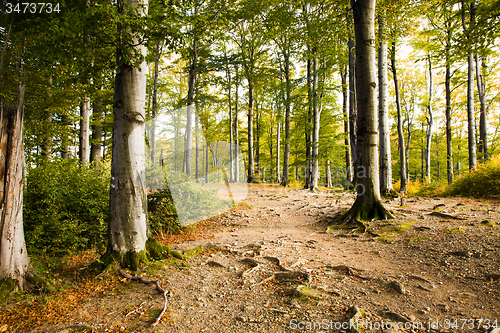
(158, 288)
(360, 214)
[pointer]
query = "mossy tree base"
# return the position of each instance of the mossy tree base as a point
(32, 282)
(360, 213)
(133, 260)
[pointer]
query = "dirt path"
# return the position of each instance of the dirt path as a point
(436, 263)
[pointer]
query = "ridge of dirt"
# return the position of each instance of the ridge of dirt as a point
(273, 268)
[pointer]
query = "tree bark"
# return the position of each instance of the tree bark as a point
(483, 125)
(14, 261)
(449, 146)
(188, 143)
(348, 161)
(471, 122)
(368, 205)
(316, 125)
(288, 101)
(96, 143)
(353, 113)
(84, 151)
(401, 138)
(236, 129)
(127, 228)
(430, 123)
(383, 110)
(278, 152)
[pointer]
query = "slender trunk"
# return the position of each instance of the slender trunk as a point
(197, 146)
(483, 125)
(237, 142)
(383, 111)
(288, 101)
(401, 139)
(65, 139)
(251, 167)
(328, 175)
(308, 129)
(155, 102)
(449, 146)
(231, 160)
(316, 124)
(96, 144)
(278, 152)
(470, 92)
(348, 163)
(84, 151)
(430, 123)
(353, 111)
(257, 139)
(188, 144)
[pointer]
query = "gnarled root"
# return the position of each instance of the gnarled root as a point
(158, 288)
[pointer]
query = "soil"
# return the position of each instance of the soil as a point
(270, 266)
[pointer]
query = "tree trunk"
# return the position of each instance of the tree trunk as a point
(401, 138)
(188, 143)
(15, 265)
(237, 142)
(154, 105)
(316, 124)
(231, 139)
(483, 125)
(328, 175)
(84, 151)
(96, 143)
(257, 143)
(308, 128)
(127, 228)
(449, 146)
(288, 101)
(353, 112)
(470, 92)
(383, 111)
(251, 167)
(278, 151)
(430, 123)
(367, 205)
(348, 161)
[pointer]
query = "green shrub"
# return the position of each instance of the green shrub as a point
(192, 203)
(66, 206)
(481, 183)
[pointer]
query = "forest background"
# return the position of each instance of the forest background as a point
(274, 79)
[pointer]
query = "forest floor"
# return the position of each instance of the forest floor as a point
(269, 266)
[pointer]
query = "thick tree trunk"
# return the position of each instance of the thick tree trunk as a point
(368, 205)
(401, 138)
(96, 143)
(84, 151)
(14, 262)
(127, 228)
(383, 111)
(483, 125)
(430, 123)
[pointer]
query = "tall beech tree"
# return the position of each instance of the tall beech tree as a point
(368, 205)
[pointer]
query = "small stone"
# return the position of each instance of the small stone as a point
(398, 287)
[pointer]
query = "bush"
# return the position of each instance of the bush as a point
(66, 206)
(481, 183)
(192, 203)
